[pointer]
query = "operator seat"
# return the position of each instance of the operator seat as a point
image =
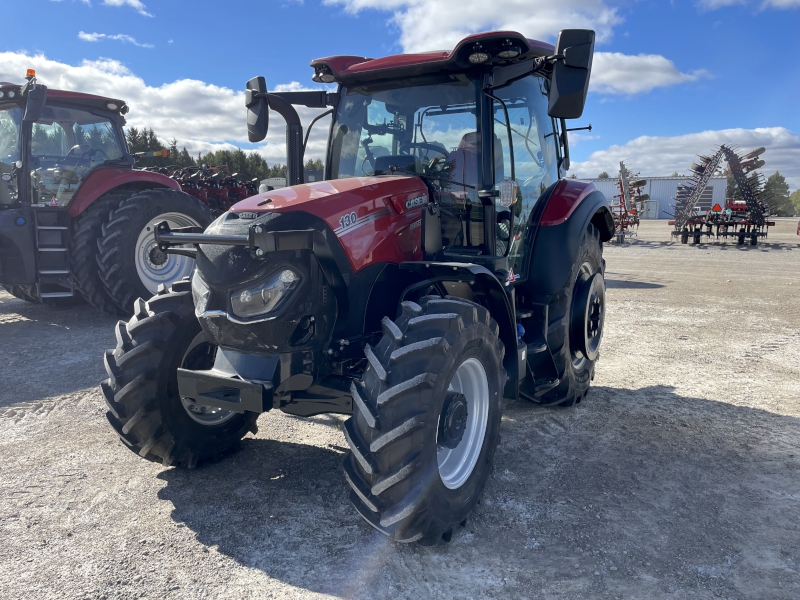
(466, 168)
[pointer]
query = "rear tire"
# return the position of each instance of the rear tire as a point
(19, 292)
(87, 229)
(141, 392)
(130, 266)
(576, 370)
(411, 480)
(28, 293)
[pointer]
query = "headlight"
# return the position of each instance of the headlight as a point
(263, 297)
(200, 294)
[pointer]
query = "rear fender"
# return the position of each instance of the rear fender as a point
(486, 288)
(105, 179)
(561, 223)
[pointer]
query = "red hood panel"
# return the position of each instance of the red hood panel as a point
(291, 197)
(377, 219)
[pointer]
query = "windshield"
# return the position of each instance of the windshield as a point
(10, 119)
(67, 144)
(428, 128)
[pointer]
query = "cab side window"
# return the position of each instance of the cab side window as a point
(535, 154)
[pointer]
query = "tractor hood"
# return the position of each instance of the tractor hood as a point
(339, 192)
(373, 219)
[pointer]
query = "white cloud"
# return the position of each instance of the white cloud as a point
(616, 73)
(120, 37)
(660, 156)
(201, 116)
(134, 4)
(437, 24)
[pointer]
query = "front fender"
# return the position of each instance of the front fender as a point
(106, 179)
(485, 284)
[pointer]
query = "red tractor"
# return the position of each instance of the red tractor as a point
(444, 264)
(76, 219)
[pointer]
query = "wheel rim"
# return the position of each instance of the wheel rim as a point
(155, 267)
(457, 464)
(588, 316)
(200, 356)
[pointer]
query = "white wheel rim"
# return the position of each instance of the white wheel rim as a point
(149, 266)
(457, 464)
(200, 413)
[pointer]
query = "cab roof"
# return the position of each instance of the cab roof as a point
(78, 98)
(346, 69)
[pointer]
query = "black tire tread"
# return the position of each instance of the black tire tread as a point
(388, 414)
(109, 256)
(133, 381)
(86, 229)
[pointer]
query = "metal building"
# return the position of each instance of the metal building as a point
(663, 191)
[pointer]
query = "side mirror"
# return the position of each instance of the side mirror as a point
(36, 99)
(570, 80)
(255, 99)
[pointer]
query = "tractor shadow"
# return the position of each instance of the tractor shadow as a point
(581, 503)
(632, 285)
(49, 351)
(721, 244)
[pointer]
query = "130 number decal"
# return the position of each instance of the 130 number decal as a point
(348, 220)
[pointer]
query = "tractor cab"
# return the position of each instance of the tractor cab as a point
(484, 186)
(50, 142)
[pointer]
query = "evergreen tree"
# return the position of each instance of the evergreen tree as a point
(795, 199)
(314, 165)
(603, 175)
(776, 192)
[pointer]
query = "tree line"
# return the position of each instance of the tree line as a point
(249, 165)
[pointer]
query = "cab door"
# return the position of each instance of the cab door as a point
(527, 146)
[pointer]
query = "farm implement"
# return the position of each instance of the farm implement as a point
(627, 205)
(744, 218)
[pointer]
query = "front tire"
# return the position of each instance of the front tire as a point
(144, 406)
(427, 420)
(130, 264)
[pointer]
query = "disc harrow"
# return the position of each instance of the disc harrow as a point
(745, 219)
(627, 204)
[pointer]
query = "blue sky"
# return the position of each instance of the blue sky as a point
(714, 70)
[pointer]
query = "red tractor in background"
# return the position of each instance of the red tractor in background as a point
(76, 218)
(445, 263)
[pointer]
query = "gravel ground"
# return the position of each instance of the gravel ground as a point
(678, 477)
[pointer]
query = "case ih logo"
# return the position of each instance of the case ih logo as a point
(415, 202)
